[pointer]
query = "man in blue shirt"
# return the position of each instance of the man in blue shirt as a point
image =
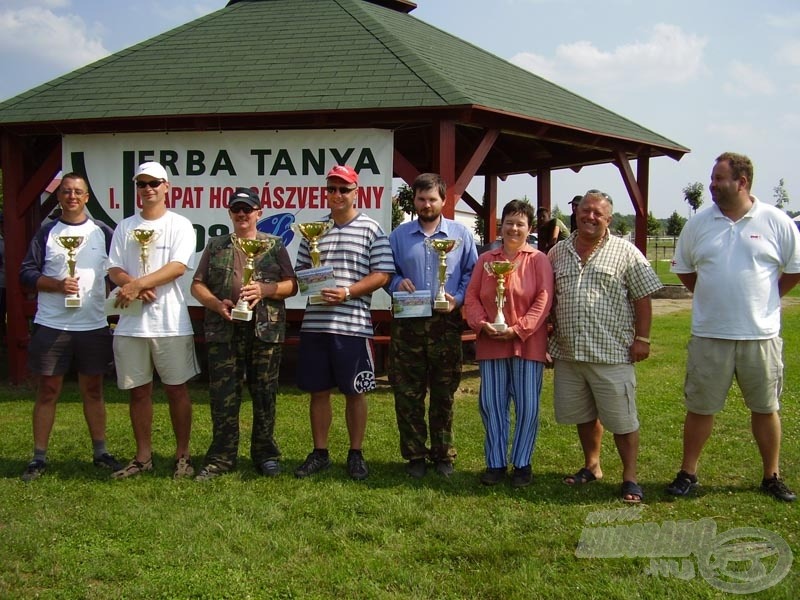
(425, 352)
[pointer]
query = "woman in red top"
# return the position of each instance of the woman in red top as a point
(512, 360)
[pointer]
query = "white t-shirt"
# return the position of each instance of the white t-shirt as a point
(175, 242)
(738, 265)
(90, 261)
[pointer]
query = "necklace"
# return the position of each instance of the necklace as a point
(589, 254)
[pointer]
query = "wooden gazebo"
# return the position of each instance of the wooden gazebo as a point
(309, 64)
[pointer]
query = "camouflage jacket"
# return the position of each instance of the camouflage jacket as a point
(269, 315)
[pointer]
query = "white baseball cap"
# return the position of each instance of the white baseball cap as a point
(153, 169)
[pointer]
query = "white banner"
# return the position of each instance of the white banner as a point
(286, 168)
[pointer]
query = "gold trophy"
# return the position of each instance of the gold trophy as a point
(500, 269)
(312, 231)
(71, 243)
(145, 237)
(442, 247)
(251, 248)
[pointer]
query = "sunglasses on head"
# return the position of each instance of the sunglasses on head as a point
(238, 208)
(332, 189)
(154, 183)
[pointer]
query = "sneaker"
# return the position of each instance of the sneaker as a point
(444, 468)
(522, 477)
(416, 468)
(777, 489)
(133, 468)
(356, 465)
(106, 461)
(683, 484)
(210, 472)
(183, 468)
(270, 468)
(314, 463)
(34, 470)
(493, 476)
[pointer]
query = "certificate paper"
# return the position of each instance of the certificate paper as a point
(313, 281)
(411, 304)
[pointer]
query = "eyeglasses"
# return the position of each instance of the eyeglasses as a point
(241, 208)
(154, 183)
(76, 193)
(332, 189)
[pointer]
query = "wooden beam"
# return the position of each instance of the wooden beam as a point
(404, 169)
(444, 161)
(476, 160)
(39, 180)
(638, 199)
(490, 207)
(544, 190)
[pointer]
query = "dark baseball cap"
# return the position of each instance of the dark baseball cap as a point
(242, 195)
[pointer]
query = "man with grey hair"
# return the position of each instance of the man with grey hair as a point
(600, 279)
(738, 257)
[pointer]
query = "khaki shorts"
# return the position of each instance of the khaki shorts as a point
(588, 391)
(135, 357)
(712, 364)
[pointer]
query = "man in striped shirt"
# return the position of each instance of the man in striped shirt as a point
(335, 339)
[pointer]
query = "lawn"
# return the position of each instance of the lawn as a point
(76, 534)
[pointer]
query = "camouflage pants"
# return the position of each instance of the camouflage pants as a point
(245, 358)
(425, 354)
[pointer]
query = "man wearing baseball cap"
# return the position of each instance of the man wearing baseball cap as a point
(161, 335)
(336, 336)
(243, 350)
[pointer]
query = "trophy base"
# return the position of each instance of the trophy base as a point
(316, 299)
(241, 314)
(499, 326)
(73, 302)
(441, 305)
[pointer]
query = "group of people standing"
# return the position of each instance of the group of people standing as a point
(585, 305)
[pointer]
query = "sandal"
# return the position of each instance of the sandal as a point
(633, 489)
(133, 468)
(583, 476)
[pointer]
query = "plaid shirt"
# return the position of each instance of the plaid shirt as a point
(593, 307)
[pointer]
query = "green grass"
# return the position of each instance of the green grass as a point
(76, 534)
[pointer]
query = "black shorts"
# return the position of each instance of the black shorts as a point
(52, 351)
(327, 360)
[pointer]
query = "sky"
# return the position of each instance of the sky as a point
(711, 75)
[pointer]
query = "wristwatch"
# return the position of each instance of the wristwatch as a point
(346, 294)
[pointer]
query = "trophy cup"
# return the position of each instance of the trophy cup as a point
(251, 248)
(312, 231)
(500, 269)
(145, 237)
(442, 247)
(71, 243)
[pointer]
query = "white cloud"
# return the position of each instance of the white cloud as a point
(37, 33)
(745, 80)
(790, 121)
(787, 21)
(668, 56)
(790, 53)
(739, 132)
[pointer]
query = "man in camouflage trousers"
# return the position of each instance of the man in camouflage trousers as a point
(425, 352)
(240, 350)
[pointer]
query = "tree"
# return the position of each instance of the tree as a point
(653, 224)
(780, 194)
(478, 228)
(402, 205)
(622, 224)
(675, 224)
(693, 194)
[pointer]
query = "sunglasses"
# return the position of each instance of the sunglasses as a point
(153, 184)
(239, 208)
(332, 189)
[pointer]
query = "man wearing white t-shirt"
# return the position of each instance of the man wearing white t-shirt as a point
(161, 336)
(73, 332)
(738, 257)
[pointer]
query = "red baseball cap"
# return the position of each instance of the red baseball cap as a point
(344, 172)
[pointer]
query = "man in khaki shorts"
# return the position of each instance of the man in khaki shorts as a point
(161, 334)
(738, 257)
(602, 316)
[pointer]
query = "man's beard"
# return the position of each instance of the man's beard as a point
(428, 218)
